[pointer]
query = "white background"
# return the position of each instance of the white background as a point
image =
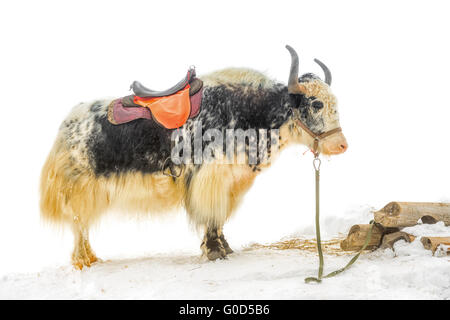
(390, 69)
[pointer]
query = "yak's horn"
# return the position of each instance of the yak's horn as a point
(293, 85)
(325, 70)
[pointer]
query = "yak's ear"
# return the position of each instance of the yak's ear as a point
(297, 89)
(301, 88)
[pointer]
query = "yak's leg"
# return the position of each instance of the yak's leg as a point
(210, 200)
(82, 255)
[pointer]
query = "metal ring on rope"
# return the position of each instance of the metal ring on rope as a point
(316, 163)
(163, 168)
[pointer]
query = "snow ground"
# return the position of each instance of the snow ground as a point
(408, 272)
(392, 87)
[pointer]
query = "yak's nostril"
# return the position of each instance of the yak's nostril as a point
(343, 147)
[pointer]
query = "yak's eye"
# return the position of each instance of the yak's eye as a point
(317, 105)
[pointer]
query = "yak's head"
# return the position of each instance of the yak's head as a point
(315, 106)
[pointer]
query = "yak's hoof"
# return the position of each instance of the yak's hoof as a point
(225, 245)
(214, 255)
(213, 249)
(84, 261)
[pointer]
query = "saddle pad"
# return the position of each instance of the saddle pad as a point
(118, 114)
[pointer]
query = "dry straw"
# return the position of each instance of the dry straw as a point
(330, 247)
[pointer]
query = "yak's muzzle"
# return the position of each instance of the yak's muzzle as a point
(334, 144)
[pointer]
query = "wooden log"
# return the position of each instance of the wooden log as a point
(406, 214)
(357, 236)
(391, 238)
(432, 243)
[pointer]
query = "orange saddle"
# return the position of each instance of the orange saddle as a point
(170, 111)
(171, 107)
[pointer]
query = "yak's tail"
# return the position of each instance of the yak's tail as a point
(54, 189)
(69, 191)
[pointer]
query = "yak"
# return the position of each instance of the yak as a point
(95, 166)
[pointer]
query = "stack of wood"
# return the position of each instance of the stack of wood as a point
(392, 218)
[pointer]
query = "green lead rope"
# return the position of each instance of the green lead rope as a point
(319, 244)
